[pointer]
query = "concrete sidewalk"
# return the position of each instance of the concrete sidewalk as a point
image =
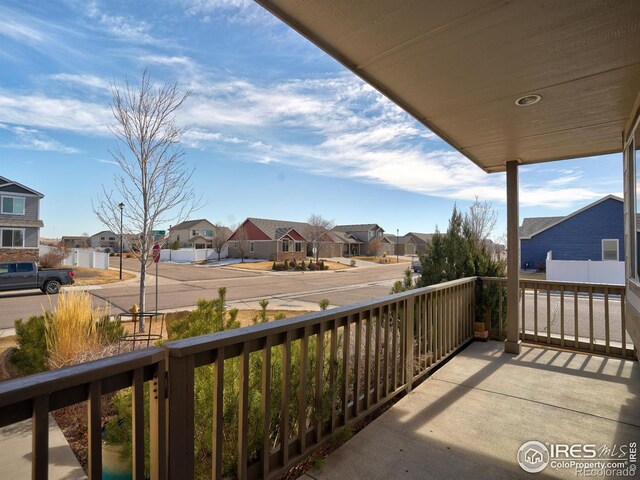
(15, 453)
(470, 418)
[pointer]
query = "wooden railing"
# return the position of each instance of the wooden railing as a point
(348, 362)
(583, 316)
(33, 397)
(253, 401)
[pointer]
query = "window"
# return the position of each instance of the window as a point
(195, 233)
(252, 247)
(207, 233)
(298, 246)
(103, 238)
(285, 245)
(13, 205)
(25, 267)
(112, 238)
(371, 234)
(610, 249)
(12, 238)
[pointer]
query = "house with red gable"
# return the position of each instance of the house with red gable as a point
(263, 238)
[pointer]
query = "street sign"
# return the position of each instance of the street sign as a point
(157, 233)
(156, 252)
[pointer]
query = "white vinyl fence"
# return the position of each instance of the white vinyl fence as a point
(82, 258)
(585, 271)
(191, 255)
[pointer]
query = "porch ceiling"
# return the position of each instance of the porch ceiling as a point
(458, 67)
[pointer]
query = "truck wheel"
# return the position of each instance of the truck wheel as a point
(52, 287)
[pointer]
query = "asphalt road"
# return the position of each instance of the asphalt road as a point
(181, 286)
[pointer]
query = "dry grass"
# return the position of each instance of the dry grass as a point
(70, 329)
(266, 266)
(388, 259)
(95, 276)
(7, 342)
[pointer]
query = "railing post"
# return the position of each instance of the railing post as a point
(181, 428)
(408, 351)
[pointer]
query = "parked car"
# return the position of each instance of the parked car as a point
(27, 275)
(416, 266)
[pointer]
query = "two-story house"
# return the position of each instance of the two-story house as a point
(196, 234)
(20, 222)
(369, 238)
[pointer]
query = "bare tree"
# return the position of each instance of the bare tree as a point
(241, 239)
(374, 246)
(318, 226)
(153, 182)
(481, 219)
(219, 238)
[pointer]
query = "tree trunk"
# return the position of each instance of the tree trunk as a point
(143, 291)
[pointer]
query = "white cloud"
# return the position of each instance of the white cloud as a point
(85, 80)
(31, 139)
(54, 113)
(124, 28)
(245, 12)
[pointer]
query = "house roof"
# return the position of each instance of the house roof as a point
(535, 225)
(187, 224)
(343, 237)
(364, 227)
(22, 223)
(424, 237)
(457, 65)
(276, 229)
(394, 239)
(5, 181)
(107, 232)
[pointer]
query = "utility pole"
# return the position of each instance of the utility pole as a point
(121, 205)
(397, 240)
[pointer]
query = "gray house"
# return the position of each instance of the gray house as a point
(20, 222)
(369, 237)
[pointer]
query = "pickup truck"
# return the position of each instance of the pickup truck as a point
(27, 275)
(416, 266)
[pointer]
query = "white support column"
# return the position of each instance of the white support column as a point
(512, 344)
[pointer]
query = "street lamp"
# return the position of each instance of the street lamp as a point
(121, 205)
(397, 240)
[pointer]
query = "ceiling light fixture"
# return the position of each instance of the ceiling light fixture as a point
(528, 100)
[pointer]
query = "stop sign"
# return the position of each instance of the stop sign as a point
(156, 252)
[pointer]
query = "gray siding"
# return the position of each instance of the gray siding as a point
(31, 237)
(30, 209)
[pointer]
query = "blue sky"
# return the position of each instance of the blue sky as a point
(277, 128)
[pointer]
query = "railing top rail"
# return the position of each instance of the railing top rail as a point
(46, 383)
(559, 283)
(195, 345)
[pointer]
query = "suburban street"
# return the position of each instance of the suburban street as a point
(181, 286)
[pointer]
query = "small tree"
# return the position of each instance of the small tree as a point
(481, 220)
(219, 238)
(241, 239)
(317, 227)
(176, 245)
(153, 181)
(374, 246)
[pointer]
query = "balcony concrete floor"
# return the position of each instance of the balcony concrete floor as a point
(469, 419)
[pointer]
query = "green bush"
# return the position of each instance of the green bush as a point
(31, 355)
(303, 267)
(210, 317)
(175, 245)
(286, 264)
(273, 267)
(109, 331)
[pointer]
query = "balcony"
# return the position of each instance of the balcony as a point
(462, 404)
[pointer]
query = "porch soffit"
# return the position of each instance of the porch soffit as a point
(459, 66)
